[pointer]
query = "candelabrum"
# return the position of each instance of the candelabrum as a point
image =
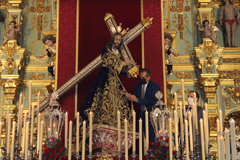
(119, 155)
(178, 155)
(134, 155)
(198, 153)
(18, 147)
(208, 156)
(90, 156)
(182, 149)
(77, 156)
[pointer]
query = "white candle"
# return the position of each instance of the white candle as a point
(227, 144)
(32, 125)
(0, 137)
(13, 140)
(140, 139)
(194, 122)
(30, 98)
(202, 138)
(134, 131)
(206, 109)
(26, 140)
(66, 129)
(196, 118)
(205, 130)
(181, 123)
(77, 143)
(41, 141)
(19, 112)
(90, 131)
(218, 140)
(24, 133)
(176, 129)
(83, 140)
(38, 131)
(233, 139)
(8, 133)
(70, 141)
(186, 139)
(119, 131)
(175, 101)
(38, 102)
(170, 137)
(222, 148)
(126, 138)
(147, 131)
(190, 131)
(221, 121)
(20, 125)
(183, 98)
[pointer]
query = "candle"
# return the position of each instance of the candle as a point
(140, 139)
(170, 137)
(26, 140)
(38, 102)
(66, 129)
(221, 121)
(190, 131)
(134, 131)
(38, 131)
(181, 123)
(205, 129)
(24, 133)
(176, 129)
(222, 148)
(119, 131)
(175, 101)
(233, 139)
(19, 112)
(20, 125)
(126, 139)
(32, 125)
(90, 132)
(70, 141)
(30, 98)
(202, 138)
(196, 118)
(194, 121)
(13, 140)
(147, 131)
(183, 98)
(83, 140)
(206, 109)
(186, 139)
(8, 133)
(227, 144)
(77, 143)
(218, 141)
(0, 137)
(41, 141)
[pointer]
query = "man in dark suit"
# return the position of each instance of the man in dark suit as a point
(144, 95)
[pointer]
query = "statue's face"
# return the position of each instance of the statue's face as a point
(116, 42)
(49, 43)
(206, 24)
(12, 25)
(166, 41)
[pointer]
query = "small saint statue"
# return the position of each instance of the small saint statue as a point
(12, 32)
(207, 30)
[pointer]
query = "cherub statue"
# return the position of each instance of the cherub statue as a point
(50, 41)
(229, 20)
(207, 30)
(11, 33)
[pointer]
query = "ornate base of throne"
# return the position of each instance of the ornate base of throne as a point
(105, 140)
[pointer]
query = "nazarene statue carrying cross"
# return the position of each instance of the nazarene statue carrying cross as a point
(128, 37)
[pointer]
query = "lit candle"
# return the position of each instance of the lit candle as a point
(30, 98)
(170, 137)
(26, 140)
(190, 131)
(221, 120)
(24, 133)
(183, 98)
(202, 138)
(90, 131)
(41, 141)
(233, 139)
(70, 141)
(77, 143)
(186, 139)
(227, 144)
(222, 148)
(218, 140)
(83, 140)
(140, 139)
(175, 101)
(13, 140)
(38, 131)
(134, 131)
(126, 139)
(66, 129)
(8, 133)
(181, 123)
(19, 112)
(119, 131)
(32, 125)
(147, 131)
(176, 129)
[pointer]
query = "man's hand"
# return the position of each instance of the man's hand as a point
(131, 97)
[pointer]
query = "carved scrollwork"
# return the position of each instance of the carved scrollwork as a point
(183, 75)
(10, 48)
(208, 46)
(232, 60)
(229, 74)
(208, 64)
(35, 91)
(212, 123)
(37, 76)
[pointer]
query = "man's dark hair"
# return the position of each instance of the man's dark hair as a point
(49, 37)
(197, 94)
(111, 42)
(203, 23)
(145, 70)
(168, 36)
(14, 24)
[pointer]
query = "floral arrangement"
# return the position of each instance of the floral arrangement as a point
(159, 150)
(52, 150)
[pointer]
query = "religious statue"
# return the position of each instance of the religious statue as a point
(207, 30)
(12, 32)
(229, 20)
(50, 41)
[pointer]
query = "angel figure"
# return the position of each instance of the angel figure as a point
(12, 32)
(207, 30)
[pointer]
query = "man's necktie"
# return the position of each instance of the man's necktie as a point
(142, 97)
